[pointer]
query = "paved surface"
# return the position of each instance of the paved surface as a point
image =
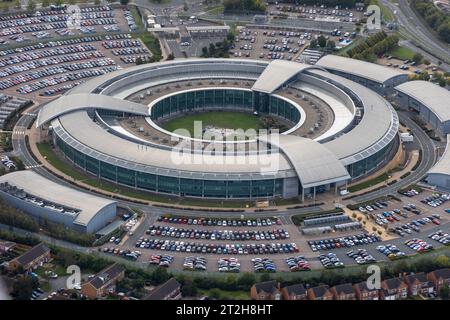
(429, 157)
(421, 36)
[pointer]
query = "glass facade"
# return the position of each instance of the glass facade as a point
(173, 185)
(366, 165)
(221, 99)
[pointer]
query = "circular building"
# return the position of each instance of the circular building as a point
(332, 129)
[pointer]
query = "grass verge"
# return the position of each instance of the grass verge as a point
(368, 183)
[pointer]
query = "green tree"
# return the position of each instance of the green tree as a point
(313, 44)
(31, 6)
(322, 41)
(160, 275)
(45, 3)
(444, 292)
(24, 286)
(418, 58)
(331, 44)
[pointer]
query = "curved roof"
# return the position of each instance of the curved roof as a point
(190, 65)
(377, 128)
(82, 101)
(277, 73)
(432, 96)
(79, 131)
(443, 165)
(358, 68)
(314, 164)
(35, 184)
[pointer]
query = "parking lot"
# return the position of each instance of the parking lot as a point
(48, 24)
(221, 242)
(45, 69)
(335, 13)
(270, 44)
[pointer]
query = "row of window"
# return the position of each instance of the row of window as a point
(173, 185)
(221, 98)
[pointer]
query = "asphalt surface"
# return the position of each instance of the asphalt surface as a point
(415, 30)
(429, 157)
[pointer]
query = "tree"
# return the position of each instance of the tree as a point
(170, 56)
(313, 44)
(124, 2)
(331, 44)
(24, 286)
(426, 62)
(322, 41)
(160, 275)
(31, 6)
(417, 58)
(45, 3)
(189, 288)
(444, 292)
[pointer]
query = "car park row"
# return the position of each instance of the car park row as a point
(348, 241)
(330, 260)
(165, 231)
(195, 247)
(263, 264)
(194, 263)
(221, 222)
(298, 263)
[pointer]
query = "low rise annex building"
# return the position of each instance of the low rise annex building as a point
(45, 199)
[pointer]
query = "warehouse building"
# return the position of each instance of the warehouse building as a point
(431, 102)
(45, 199)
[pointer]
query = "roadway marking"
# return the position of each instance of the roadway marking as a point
(19, 132)
(29, 114)
(34, 166)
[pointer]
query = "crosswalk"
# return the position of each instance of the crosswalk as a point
(19, 132)
(34, 166)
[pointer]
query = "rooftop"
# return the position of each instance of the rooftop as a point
(32, 254)
(358, 68)
(163, 290)
(267, 286)
(277, 73)
(105, 276)
(434, 97)
(35, 184)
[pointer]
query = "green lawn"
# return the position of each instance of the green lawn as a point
(368, 183)
(401, 53)
(385, 12)
(151, 42)
(228, 120)
(358, 40)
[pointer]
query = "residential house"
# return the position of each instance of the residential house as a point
(363, 292)
(393, 289)
(418, 284)
(343, 292)
(294, 292)
(320, 293)
(439, 278)
(6, 246)
(32, 259)
(170, 290)
(103, 282)
(269, 290)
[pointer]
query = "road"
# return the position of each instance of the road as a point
(429, 157)
(412, 27)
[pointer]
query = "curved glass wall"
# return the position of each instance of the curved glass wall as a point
(173, 185)
(220, 99)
